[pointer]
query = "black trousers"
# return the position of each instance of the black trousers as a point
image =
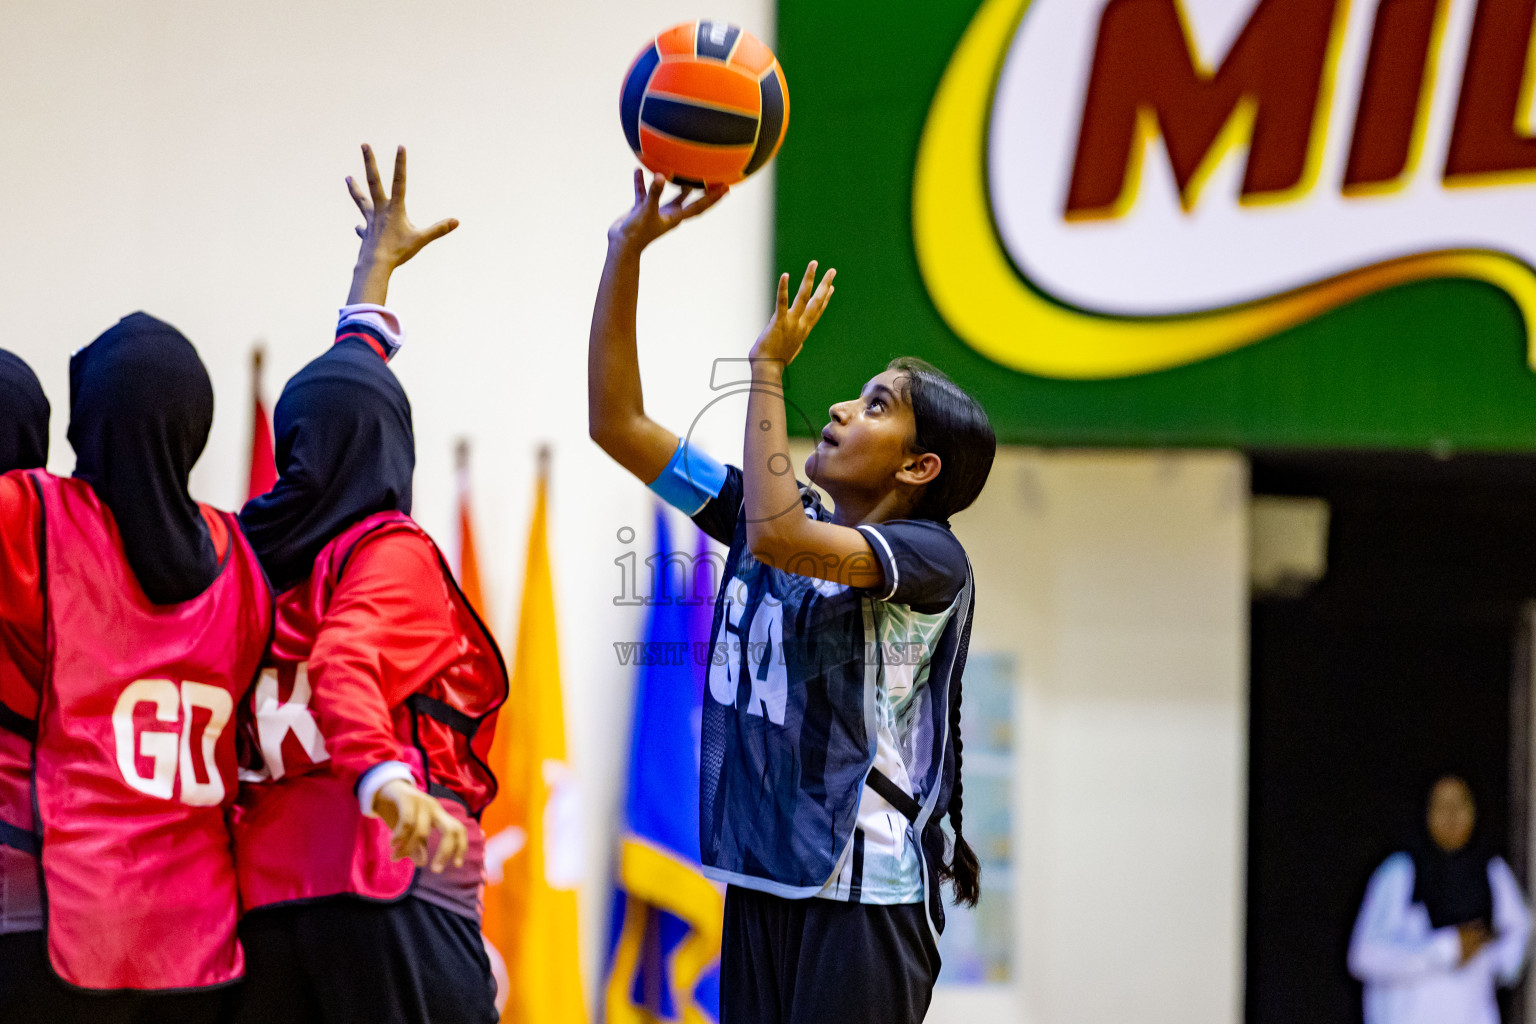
(30, 991)
(349, 961)
(815, 961)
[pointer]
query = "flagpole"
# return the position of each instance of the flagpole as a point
(258, 356)
(652, 963)
(263, 473)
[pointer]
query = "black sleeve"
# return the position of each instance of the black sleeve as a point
(923, 564)
(719, 515)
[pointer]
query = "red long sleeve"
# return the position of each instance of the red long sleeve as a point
(388, 630)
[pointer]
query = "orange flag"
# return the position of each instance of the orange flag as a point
(468, 572)
(533, 854)
(263, 466)
(469, 563)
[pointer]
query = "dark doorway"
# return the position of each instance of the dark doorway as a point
(1397, 665)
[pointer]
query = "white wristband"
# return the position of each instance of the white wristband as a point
(380, 319)
(375, 778)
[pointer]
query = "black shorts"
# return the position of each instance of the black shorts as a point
(351, 961)
(30, 991)
(812, 961)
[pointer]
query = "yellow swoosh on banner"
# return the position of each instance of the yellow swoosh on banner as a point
(983, 299)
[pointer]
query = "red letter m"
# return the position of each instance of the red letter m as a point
(1146, 79)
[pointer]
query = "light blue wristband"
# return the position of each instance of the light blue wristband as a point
(690, 480)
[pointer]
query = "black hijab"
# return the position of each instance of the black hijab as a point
(1453, 887)
(23, 416)
(140, 407)
(345, 450)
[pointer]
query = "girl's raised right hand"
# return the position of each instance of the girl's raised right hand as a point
(387, 233)
(648, 220)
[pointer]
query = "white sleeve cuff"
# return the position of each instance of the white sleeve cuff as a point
(380, 318)
(374, 780)
(887, 559)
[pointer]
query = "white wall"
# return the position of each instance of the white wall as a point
(187, 159)
(1119, 583)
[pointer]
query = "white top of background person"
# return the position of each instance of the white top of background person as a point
(1443, 925)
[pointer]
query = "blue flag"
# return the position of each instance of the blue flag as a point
(664, 953)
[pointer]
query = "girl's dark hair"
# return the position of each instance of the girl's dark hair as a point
(952, 425)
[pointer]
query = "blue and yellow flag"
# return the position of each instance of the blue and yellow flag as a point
(664, 960)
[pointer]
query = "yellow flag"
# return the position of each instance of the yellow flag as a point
(533, 855)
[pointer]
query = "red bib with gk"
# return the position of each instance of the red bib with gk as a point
(299, 832)
(135, 765)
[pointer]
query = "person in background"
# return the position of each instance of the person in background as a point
(357, 835)
(1443, 925)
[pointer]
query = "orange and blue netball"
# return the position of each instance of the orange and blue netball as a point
(705, 104)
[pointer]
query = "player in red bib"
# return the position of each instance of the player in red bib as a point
(24, 981)
(357, 837)
(135, 620)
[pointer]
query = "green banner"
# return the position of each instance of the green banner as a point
(1151, 222)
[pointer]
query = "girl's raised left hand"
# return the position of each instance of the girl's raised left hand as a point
(791, 324)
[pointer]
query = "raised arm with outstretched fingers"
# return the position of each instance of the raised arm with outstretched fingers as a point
(616, 417)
